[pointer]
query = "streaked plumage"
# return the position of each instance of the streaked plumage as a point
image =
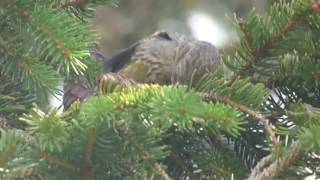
(165, 58)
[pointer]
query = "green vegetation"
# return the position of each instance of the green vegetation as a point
(262, 122)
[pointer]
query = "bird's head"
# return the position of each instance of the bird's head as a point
(123, 57)
(164, 57)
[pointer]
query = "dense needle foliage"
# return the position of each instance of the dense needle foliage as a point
(261, 122)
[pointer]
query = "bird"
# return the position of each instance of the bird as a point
(165, 58)
(162, 58)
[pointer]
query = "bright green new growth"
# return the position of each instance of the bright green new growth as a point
(129, 125)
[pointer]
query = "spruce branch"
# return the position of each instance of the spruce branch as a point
(64, 47)
(20, 63)
(30, 73)
(256, 115)
(85, 170)
(122, 81)
(154, 164)
(59, 43)
(259, 53)
(146, 155)
(278, 166)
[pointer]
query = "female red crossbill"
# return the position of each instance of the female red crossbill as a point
(165, 58)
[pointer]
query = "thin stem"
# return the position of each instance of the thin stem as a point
(90, 143)
(70, 167)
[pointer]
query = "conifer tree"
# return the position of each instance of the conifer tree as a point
(260, 123)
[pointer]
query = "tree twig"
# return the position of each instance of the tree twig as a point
(68, 166)
(264, 162)
(278, 166)
(90, 143)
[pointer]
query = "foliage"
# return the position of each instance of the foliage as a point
(278, 50)
(261, 122)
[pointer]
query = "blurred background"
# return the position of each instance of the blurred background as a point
(208, 20)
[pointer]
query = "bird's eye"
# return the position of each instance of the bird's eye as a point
(164, 35)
